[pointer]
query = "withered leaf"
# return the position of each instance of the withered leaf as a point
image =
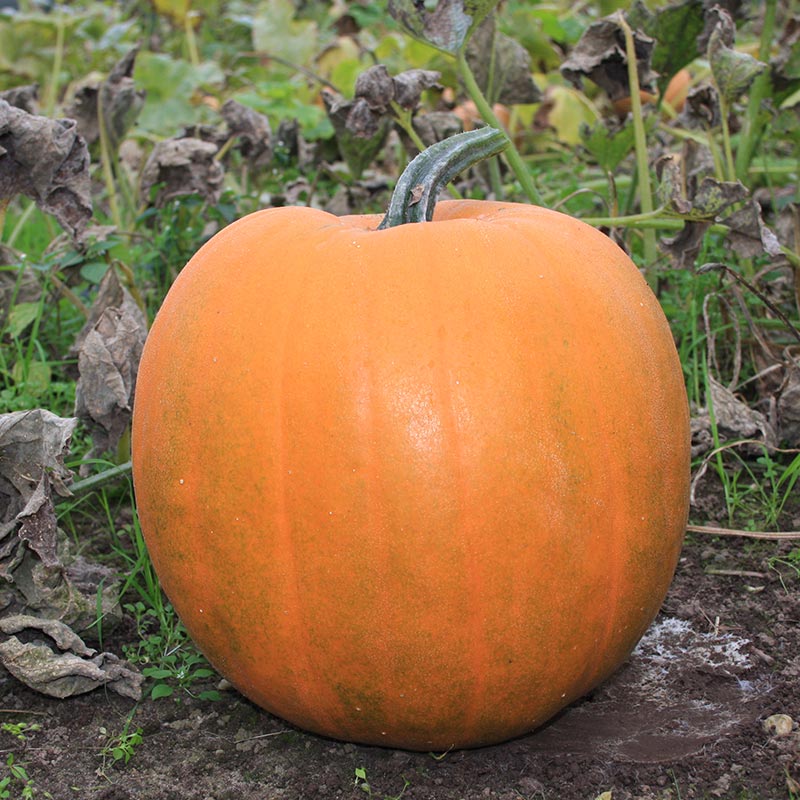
(701, 109)
(448, 26)
(24, 97)
(410, 84)
(749, 235)
(734, 418)
(788, 405)
(732, 69)
(600, 55)
(695, 201)
(501, 60)
(33, 445)
(376, 88)
(38, 524)
(182, 166)
(118, 98)
(108, 361)
(251, 129)
(360, 131)
(432, 128)
(59, 664)
(48, 161)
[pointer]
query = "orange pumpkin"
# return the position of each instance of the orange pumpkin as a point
(420, 486)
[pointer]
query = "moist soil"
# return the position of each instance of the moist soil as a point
(683, 718)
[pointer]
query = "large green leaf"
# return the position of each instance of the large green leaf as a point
(447, 24)
(277, 33)
(171, 85)
(675, 29)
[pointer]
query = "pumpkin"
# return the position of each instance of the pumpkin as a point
(674, 95)
(418, 485)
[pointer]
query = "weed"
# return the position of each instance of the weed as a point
(119, 749)
(362, 783)
(16, 783)
(166, 653)
(20, 730)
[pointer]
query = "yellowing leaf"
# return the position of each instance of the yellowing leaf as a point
(568, 111)
(177, 10)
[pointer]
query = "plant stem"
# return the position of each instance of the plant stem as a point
(730, 168)
(105, 160)
(485, 110)
(96, 481)
(191, 39)
(640, 140)
(417, 189)
(58, 56)
(752, 125)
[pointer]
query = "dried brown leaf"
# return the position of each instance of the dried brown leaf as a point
(118, 97)
(33, 445)
(749, 235)
(182, 166)
(600, 56)
(24, 97)
(251, 129)
(410, 84)
(788, 403)
(108, 360)
(59, 664)
(48, 161)
(448, 26)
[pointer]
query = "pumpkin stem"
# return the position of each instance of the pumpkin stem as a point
(417, 189)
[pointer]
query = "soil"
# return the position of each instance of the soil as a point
(683, 718)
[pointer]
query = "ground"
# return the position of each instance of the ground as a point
(684, 718)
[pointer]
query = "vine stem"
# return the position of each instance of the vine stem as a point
(94, 482)
(640, 139)
(417, 189)
(105, 160)
(724, 110)
(513, 156)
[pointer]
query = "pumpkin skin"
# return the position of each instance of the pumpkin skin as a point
(419, 487)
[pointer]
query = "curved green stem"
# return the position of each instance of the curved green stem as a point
(417, 189)
(485, 110)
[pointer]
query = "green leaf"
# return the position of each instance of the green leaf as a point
(94, 271)
(20, 317)
(170, 85)
(161, 690)
(157, 672)
(608, 147)
(276, 32)
(675, 28)
(448, 26)
(35, 379)
(198, 674)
